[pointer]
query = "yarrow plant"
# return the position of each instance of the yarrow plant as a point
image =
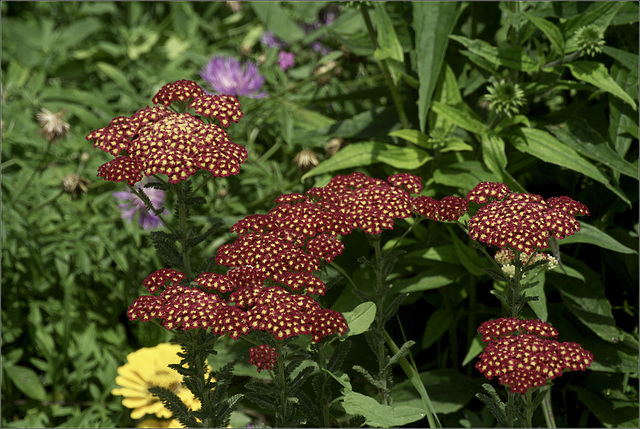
(519, 351)
(267, 283)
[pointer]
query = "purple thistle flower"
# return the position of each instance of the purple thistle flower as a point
(285, 60)
(131, 204)
(228, 76)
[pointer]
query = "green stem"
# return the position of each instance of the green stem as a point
(182, 229)
(281, 412)
(528, 409)
(385, 71)
(380, 352)
(547, 411)
(510, 408)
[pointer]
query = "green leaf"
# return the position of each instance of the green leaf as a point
(411, 372)
(592, 235)
(377, 415)
(463, 175)
(552, 32)
(476, 347)
(117, 75)
(547, 148)
(463, 119)
(432, 23)
(366, 153)
(277, 20)
(506, 55)
(438, 323)
(389, 45)
(432, 276)
(469, 257)
(449, 390)
(413, 136)
(579, 135)
(449, 95)
(360, 318)
(628, 60)
(612, 412)
(27, 381)
(587, 300)
(493, 153)
(597, 75)
(539, 306)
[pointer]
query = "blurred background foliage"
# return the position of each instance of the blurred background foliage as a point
(401, 88)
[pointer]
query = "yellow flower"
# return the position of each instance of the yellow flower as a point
(149, 367)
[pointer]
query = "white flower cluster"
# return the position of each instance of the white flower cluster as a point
(505, 258)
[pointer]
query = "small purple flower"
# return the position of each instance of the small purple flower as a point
(228, 76)
(285, 60)
(131, 204)
(269, 39)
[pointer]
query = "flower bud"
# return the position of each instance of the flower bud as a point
(306, 159)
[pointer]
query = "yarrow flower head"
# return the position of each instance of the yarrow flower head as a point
(157, 140)
(149, 367)
(521, 355)
(263, 357)
(448, 209)
(505, 97)
(522, 222)
(131, 204)
(227, 75)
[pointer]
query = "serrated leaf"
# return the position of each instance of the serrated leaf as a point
(366, 153)
(597, 75)
(432, 23)
(547, 148)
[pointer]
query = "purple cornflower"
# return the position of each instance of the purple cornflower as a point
(131, 204)
(228, 76)
(285, 60)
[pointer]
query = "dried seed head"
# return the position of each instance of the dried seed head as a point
(52, 126)
(333, 146)
(75, 185)
(306, 159)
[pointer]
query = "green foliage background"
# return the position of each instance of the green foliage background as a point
(71, 267)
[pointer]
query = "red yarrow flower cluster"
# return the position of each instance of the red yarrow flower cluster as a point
(271, 283)
(521, 355)
(447, 209)
(522, 222)
(263, 357)
(157, 140)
